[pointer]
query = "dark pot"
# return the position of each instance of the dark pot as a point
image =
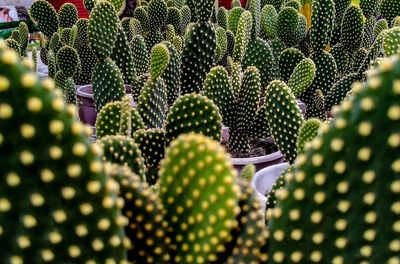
(87, 109)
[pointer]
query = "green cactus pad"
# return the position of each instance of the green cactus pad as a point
(170, 33)
(13, 44)
(152, 39)
(322, 21)
(233, 18)
(141, 14)
(287, 23)
(137, 86)
(346, 211)
(197, 57)
(67, 60)
(248, 172)
(183, 185)
(174, 17)
(391, 44)
(135, 28)
(56, 174)
(67, 86)
(89, 4)
(68, 15)
(51, 62)
(396, 22)
(340, 90)
(203, 9)
(254, 6)
(243, 35)
(284, 118)
(380, 26)
(269, 20)
(236, 3)
(151, 143)
(140, 55)
(288, 60)
(293, 3)
(45, 16)
(342, 58)
(109, 119)
(102, 29)
(186, 18)
(368, 36)
(369, 7)
(308, 131)
(15, 35)
(193, 113)
(158, 12)
(302, 76)
(23, 38)
(222, 17)
(107, 82)
(390, 9)
(172, 74)
(159, 60)
(124, 151)
(34, 58)
(88, 61)
(352, 28)
(358, 59)
(152, 103)
(125, 24)
(123, 57)
(340, 8)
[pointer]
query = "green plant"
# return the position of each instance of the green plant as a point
(391, 44)
(140, 55)
(302, 77)
(380, 26)
(320, 216)
(233, 18)
(308, 131)
(287, 24)
(45, 17)
(222, 18)
(172, 74)
(288, 60)
(58, 177)
(352, 28)
(23, 38)
(157, 14)
(389, 9)
(242, 37)
(13, 44)
(269, 21)
(322, 22)
(68, 15)
(340, 90)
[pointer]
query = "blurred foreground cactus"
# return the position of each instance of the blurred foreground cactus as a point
(339, 209)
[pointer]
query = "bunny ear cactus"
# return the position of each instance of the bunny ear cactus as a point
(340, 8)
(193, 113)
(288, 60)
(308, 131)
(302, 77)
(68, 15)
(135, 28)
(67, 61)
(45, 16)
(89, 4)
(389, 9)
(340, 90)
(142, 16)
(322, 22)
(174, 17)
(199, 51)
(233, 18)
(157, 14)
(352, 28)
(391, 44)
(58, 177)
(364, 224)
(396, 21)
(243, 34)
(23, 38)
(284, 118)
(151, 143)
(342, 58)
(140, 55)
(269, 21)
(13, 44)
(380, 26)
(222, 17)
(287, 24)
(254, 6)
(172, 74)
(15, 35)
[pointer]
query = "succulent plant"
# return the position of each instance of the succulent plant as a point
(34, 58)
(243, 34)
(340, 90)
(186, 18)
(157, 15)
(248, 172)
(58, 177)
(287, 24)
(45, 17)
(340, 8)
(23, 38)
(302, 77)
(140, 55)
(391, 44)
(15, 35)
(269, 21)
(380, 26)
(288, 60)
(89, 4)
(135, 28)
(233, 18)
(13, 44)
(352, 28)
(389, 9)
(174, 17)
(68, 15)
(342, 59)
(308, 131)
(322, 22)
(172, 74)
(360, 138)
(222, 17)
(142, 16)
(254, 7)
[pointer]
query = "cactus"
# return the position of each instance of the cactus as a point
(67, 61)
(186, 18)
(342, 59)
(174, 17)
(340, 90)
(322, 22)
(236, 3)
(358, 59)
(248, 172)
(45, 17)
(222, 18)
(140, 55)
(396, 22)
(142, 16)
(13, 44)
(288, 60)
(287, 24)
(23, 38)
(135, 28)
(52, 64)
(369, 7)
(158, 13)
(123, 57)
(254, 6)
(137, 86)
(151, 143)
(110, 119)
(234, 17)
(340, 8)
(352, 28)
(285, 123)
(360, 138)
(200, 116)
(308, 131)
(89, 4)
(391, 44)
(172, 74)
(269, 21)
(368, 36)
(68, 15)
(293, 3)
(243, 35)
(380, 26)
(197, 56)
(58, 177)
(15, 35)
(34, 58)
(390, 9)
(170, 33)
(302, 77)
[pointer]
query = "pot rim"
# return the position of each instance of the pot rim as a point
(41, 68)
(81, 93)
(257, 160)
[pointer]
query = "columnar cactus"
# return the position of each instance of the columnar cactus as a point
(284, 118)
(58, 177)
(68, 15)
(320, 217)
(45, 17)
(199, 51)
(322, 22)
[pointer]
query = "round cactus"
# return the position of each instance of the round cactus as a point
(322, 21)
(45, 16)
(308, 131)
(102, 29)
(124, 151)
(355, 143)
(58, 177)
(352, 28)
(68, 15)
(284, 118)
(200, 115)
(108, 122)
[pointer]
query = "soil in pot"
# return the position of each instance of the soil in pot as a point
(258, 147)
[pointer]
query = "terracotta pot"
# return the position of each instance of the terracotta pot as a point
(260, 162)
(43, 72)
(87, 109)
(264, 180)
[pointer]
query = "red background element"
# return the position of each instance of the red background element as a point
(227, 3)
(78, 3)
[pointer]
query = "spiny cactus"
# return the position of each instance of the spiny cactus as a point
(358, 59)
(68, 15)
(288, 20)
(364, 225)
(55, 171)
(254, 6)
(389, 9)
(23, 38)
(13, 44)
(352, 28)
(322, 22)
(157, 14)
(288, 60)
(308, 131)
(34, 58)
(140, 55)
(186, 18)
(193, 113)
(45, 16)
(369, 7)
(109, 120)
(222, 17)
(67, 61)
(302, 77)
(174, 17)
(243, 34)
(142, 16)
(135, 28)
(391, 44)
(89, 4)
(396, 21)
(342, 59)
(340, 8)
(269, 21)
(172, 74)
(380, 26)
(284, 123)
(15, 35)
(234, 17)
